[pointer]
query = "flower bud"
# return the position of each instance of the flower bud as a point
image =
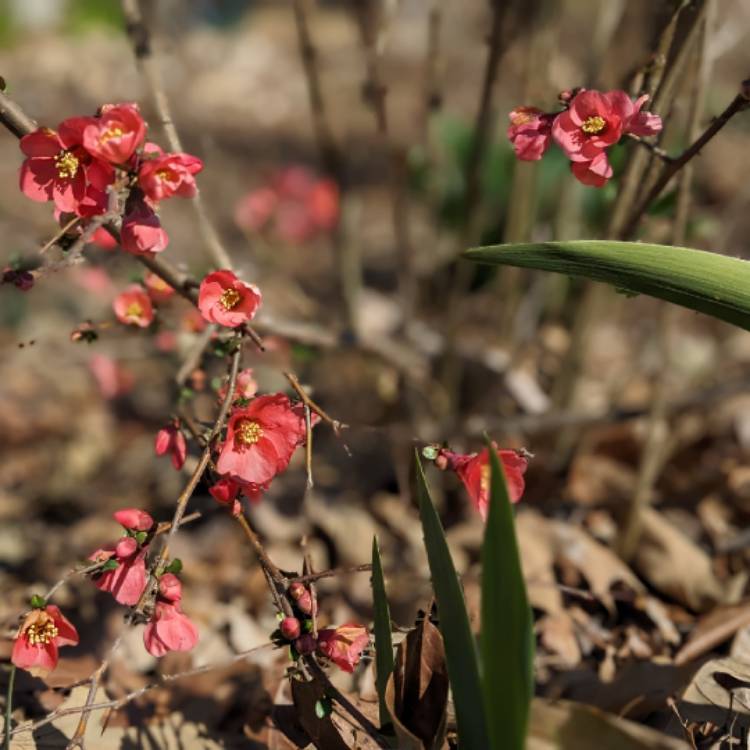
(297, 590)
(290, 628)
(306, 644)
(307, 604)
(170, 587)
(126, 547)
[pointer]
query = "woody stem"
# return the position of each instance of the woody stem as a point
(9, 706)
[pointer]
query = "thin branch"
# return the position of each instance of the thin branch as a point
(652, 147)
(432, 96)
(333, 573)
(140, 37)
(120, 702)
(307, 401)
(738, 104)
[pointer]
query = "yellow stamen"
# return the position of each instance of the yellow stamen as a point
(249, 432)
(229, 299)
(109, 134)
(484, 481)
(42, 632)
(593, 124)
(67, 164)
(134, 310)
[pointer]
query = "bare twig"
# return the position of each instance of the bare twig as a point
(308, 402)
(652, 147)
(333, 573)
(59, 234)
(432, 95)
(135, 694)
(140, 37)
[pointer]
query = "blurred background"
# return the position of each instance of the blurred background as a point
(632, 410)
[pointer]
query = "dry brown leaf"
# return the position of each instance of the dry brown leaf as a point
(417, 689)
(713, 629)
(538, 559)
(568, 726)
(676, 566)
(595, 562)
(557, 635)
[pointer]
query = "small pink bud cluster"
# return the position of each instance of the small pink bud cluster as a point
(123, 574)
(343, 645)
(591, 122)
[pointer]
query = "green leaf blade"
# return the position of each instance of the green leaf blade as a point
(460, 646)
(507, 640)
(383, 642)
(706, 282)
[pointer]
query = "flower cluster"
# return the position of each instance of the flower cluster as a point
(77, 165)
(474, 471)
(343, 645)
(295, 205)
(591, 122)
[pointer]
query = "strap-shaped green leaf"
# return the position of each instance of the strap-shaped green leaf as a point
(460, 646)
(713, 284)
(507, 639)
(383, 641)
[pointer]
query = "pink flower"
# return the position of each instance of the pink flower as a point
(593, 122)
(103, 239)
(113, 379)
(170, 440)
(529, 131)
(226, 300)
(127, 581)
(142, 231)
(157, 288)
(245, 387)
(290, 628)
(169, 630)
(643, 123)
(323, 204)
(254, 210)
(168, 175)
(595, 172)
(133, 519)
(474, 471)
(133, 307)
(170, 587)
(59, 169)
(38, 639)
(261, 439)
(116, 134)
(344, 645)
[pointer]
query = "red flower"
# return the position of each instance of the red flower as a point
(103, 239)
(169, 630)
(157, 288)
(261, 439)
(344, 645)
(59, 169)
(225, 491)
(142, 231)
(112, 378)
(168, 175)
(127, 581)
(116, 134)
(226, 300)
(170, 440)
(595, 172)
(36, 646)
(254, 210)
(133, 519)
(133, 307)
(530, 131)
(474, 471)
(596, 120)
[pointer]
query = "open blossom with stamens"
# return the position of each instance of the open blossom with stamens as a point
(115, 135)
(133, 307)
(40, 636)
(344, 645)
(169, 174)
(226, 300)
(126, 581)
(58, 168)
(261, 439)
(530, 131)
(170, 440)
(170, 629)
(474, 471)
